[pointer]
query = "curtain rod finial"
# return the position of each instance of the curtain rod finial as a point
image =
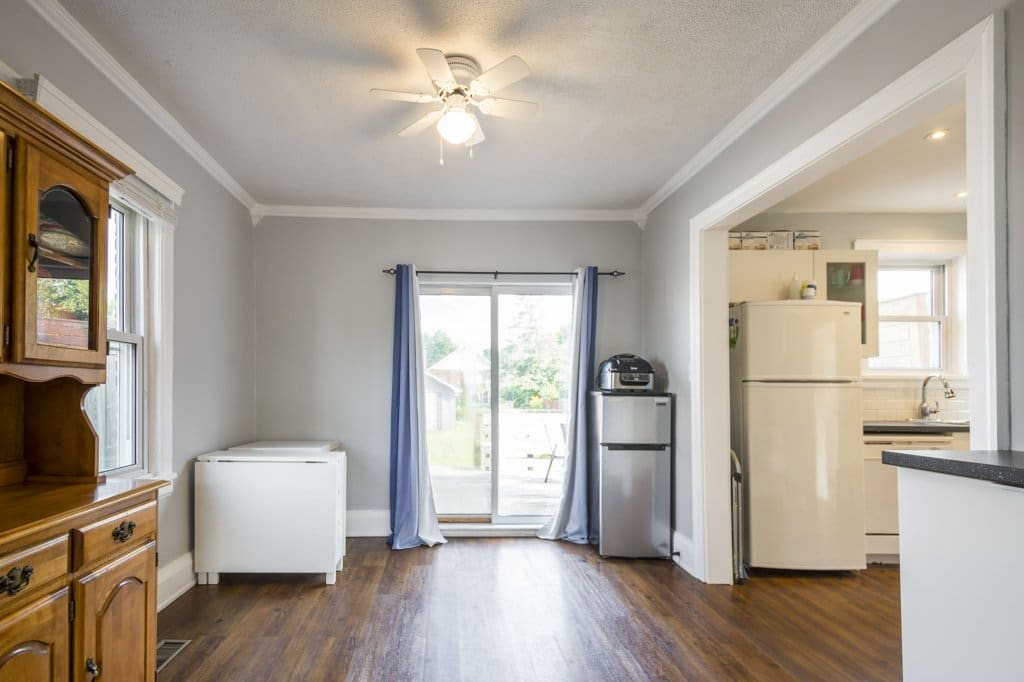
(389, 271)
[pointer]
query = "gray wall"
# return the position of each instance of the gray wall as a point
(1015, 213)
(839, 230)
(912, 31)
(324, 316)
(213, 302)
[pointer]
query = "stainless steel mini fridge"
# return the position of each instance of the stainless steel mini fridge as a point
(631, 458)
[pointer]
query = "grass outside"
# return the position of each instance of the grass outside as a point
(453, 447)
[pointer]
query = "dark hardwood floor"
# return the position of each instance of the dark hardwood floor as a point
(526, 609)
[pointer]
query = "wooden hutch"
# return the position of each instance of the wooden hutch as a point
(77, 551)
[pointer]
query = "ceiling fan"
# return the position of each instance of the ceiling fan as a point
(456, 121)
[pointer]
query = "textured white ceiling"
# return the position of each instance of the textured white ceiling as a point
(907, 174)
(277, 91)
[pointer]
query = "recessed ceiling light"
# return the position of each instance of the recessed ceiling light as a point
(961, 195)
(937, 134)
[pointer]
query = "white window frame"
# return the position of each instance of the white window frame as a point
(951, 256)
(133, 316)
(157, 219)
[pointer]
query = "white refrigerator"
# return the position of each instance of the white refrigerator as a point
(797, 425)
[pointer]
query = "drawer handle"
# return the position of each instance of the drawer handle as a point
(16, 579)
(124, 531)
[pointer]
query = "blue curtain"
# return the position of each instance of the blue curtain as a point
(571, 521)
(413, 518)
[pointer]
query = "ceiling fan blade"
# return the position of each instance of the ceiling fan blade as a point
(504, 74)
(508, 108)
(421, 124)
(419, 98)
(477, 138)
(437, 67)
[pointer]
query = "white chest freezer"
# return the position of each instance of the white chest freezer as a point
(270, 507)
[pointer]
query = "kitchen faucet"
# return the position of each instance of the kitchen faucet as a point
(927, 409)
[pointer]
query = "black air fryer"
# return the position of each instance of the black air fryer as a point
(626, 372)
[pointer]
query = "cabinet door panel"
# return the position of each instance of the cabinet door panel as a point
(34, 641)
(116, 621)
(59, 264)
(852, 276)
(881, 514)
(5, 240)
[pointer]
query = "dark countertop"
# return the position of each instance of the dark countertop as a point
(915, 427)
(999, 466)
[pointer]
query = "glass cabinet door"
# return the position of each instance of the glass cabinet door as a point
(59, 257)
(62, 251)
(852, 276)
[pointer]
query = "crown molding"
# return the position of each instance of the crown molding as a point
(79, 38)
(850, 27)
(49, 97)
(461, 214)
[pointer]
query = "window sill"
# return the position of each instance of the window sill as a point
(165, 491)
(955, 380)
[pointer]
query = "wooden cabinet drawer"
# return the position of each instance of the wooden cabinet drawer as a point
(114, 534)
(24, 570)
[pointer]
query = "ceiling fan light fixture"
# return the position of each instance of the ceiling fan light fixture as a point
(457, 125)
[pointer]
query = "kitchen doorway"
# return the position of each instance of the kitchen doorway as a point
(970, 67)
(497, 364)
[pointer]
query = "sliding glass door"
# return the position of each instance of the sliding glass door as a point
(497, 370)
(456, 346)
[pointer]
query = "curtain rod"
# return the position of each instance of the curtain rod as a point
(496, 273)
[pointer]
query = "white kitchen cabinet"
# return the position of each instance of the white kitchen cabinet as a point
(840, 275)
(766, 275)
(881, 499)
(852, 276)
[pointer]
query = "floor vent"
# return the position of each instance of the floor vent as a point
(166, 649)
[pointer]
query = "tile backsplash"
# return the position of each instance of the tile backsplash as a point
(896, 401)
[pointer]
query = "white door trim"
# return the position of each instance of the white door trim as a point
(971, 66)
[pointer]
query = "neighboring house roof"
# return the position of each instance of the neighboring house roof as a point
(462, 360)
(440, 385)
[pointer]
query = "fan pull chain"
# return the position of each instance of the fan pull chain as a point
(441, 139)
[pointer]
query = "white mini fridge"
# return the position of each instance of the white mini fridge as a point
(797, 425)
(270, 507)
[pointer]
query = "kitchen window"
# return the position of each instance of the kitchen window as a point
(912, 319)
(922, 296)
(116, 408)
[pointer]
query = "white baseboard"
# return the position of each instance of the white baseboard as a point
(682, 548)
(173, 580)
(368, 523)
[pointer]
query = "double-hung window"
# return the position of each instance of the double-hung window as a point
(913, 321)
(922, 312)
(116, 408)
